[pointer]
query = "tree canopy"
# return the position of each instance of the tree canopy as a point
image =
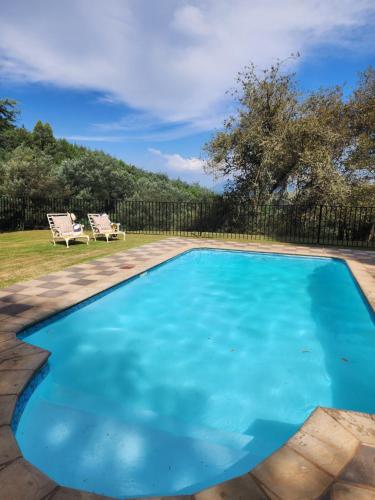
(29, 173)
(283, 145)
(8, 113)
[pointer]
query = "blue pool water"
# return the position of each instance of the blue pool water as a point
(196, 371)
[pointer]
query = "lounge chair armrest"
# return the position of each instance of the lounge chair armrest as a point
(116, 226)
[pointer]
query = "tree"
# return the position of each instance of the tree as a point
(254, 149)
(360, 161)
(321, 138)
(29, 173)
(96, 175)
(42, 136)
(11, 138)
(281, 145)
(8, 113)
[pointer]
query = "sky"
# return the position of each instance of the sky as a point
(146, 80)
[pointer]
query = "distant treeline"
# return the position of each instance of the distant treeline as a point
(35, 164)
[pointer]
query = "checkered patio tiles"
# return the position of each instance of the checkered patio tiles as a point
(331, 457)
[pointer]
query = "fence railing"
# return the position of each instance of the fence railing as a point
(329, 225)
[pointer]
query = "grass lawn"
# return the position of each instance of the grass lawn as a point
(29, 254)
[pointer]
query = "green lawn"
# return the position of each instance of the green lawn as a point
(29, 254)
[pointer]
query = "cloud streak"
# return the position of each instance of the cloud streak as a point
(94, 138)
(171, 59)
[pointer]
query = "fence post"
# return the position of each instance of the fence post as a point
(200, 218)
(319, 224)
(23, 214)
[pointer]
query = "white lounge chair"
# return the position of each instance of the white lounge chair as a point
(102, 226)
(62, 228)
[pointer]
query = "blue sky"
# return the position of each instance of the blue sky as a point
(145, 80)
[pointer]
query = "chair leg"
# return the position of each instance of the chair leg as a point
(107, 236)
(67, 242)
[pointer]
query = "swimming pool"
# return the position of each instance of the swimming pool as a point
(196, 371)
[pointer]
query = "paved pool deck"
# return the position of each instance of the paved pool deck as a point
(332, 456)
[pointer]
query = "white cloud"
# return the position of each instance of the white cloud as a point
(143, 126)
(190, 20)
(173, 59)
(94, 138)
(178, 163)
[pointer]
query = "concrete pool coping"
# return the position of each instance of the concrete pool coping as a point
(331, 456)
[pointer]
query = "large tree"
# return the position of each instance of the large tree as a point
(255, 150)
(281, 144)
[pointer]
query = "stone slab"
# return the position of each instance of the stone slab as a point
(361, 425)
(361, 469)
(325, 442)
(14, 381)
(7, 405)
(21, 481)
(9, 449)
(290, 476)
(241, 488)
(344, 491)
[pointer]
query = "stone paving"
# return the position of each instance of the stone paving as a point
(332, 456)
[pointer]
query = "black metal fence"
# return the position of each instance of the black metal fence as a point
(329, 225)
